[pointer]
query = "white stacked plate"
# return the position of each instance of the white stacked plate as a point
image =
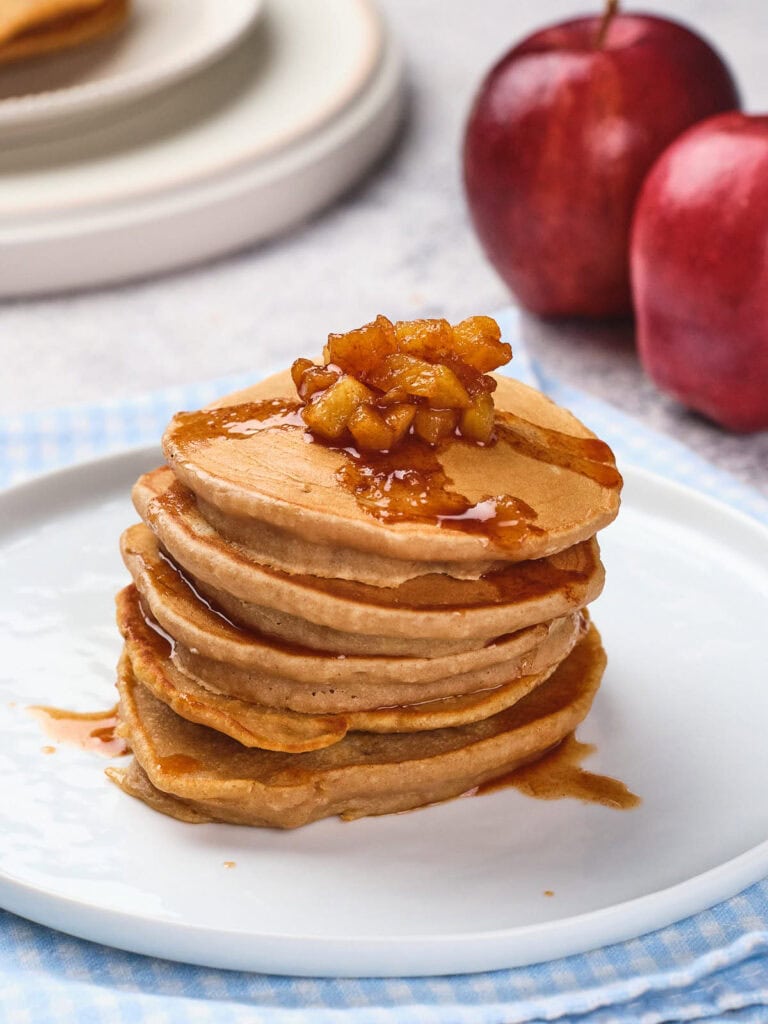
(163, 43)
(203, 128)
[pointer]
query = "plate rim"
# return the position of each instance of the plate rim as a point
(391, 955)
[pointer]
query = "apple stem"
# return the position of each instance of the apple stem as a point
(611, 10)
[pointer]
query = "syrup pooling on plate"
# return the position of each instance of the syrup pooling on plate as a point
(89, 730)
(559, 775)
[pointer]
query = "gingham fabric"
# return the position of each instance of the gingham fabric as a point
(712, 967)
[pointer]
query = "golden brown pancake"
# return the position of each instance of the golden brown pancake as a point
(432, 606)
(291, 629)
(546, 459)
(133, 780)
(279, 628)
(29, 28)
(279, 549)
(347, 694)
(252, 725)
(208, 639)
(218, 779)
(260, 725)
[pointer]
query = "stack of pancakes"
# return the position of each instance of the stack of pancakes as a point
(290, 654)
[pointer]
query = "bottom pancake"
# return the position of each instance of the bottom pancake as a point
(200, 774)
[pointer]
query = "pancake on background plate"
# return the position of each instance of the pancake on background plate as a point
(29, 28)
(361, 586)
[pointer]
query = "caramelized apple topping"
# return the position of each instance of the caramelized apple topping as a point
(384, 382)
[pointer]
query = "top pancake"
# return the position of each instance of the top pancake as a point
(547, 460)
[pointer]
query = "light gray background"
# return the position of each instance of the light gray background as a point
(400, 244)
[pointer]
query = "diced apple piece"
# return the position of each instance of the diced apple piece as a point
(358, 352)
(370, 430)
(310, 378)
(477, 340)
(474, 382)
(395, 396)
(476, 422)
(329, 413)
(399, 419)
(425, 339)
(298, 368)
(318, 378)
(438, 384)
(433, 425)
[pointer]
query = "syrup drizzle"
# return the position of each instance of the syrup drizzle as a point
(168, 578)
(178, 764)
(559, 774)
(162, 641)
(171, 567)
(236, 421)
(89, 730)
(587, 456)
(409, 484)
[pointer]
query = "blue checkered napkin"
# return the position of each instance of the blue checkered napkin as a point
(711, 967)
(34, 442)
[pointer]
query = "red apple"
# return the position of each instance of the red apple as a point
(559, 139)
(700, 270)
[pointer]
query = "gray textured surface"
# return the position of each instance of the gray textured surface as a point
(400, 244)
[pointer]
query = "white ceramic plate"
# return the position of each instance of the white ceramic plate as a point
(163, 42)
(681, 718)
(248, 148)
